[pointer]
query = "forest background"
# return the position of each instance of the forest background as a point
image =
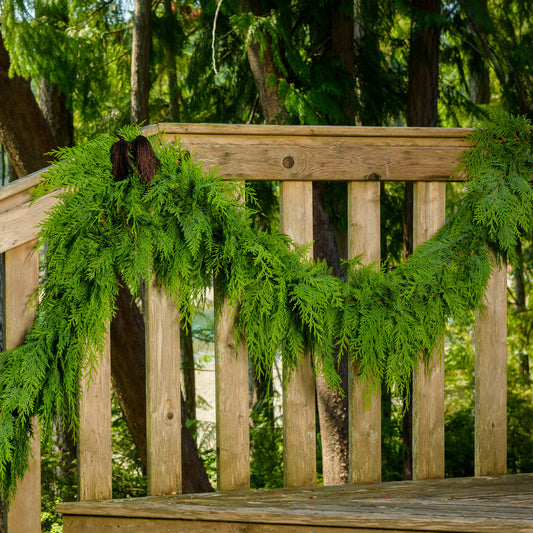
(70, 70)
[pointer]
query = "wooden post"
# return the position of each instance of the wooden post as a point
(232, 408)
(428, 384)
(490, 457)
(163, 399)
(21, 280)
(299, 425)
(231, 396)
(364, 420)
(94, 440)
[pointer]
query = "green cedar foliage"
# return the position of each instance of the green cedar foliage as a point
(187, 228)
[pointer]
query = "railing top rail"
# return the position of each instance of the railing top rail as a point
(309, 131)
(271, 152)
(322, 153)
(18, 192)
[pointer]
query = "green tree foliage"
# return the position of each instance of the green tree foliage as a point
(82, 47)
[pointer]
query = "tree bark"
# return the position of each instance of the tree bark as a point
(24, 132)
(261, 69)
(172, 77)
(423, 68)
(140, 62)
(332, 406)
(422, 99)
(521, 309)
(53, 103)
(188, 369)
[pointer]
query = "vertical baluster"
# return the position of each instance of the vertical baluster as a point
(364, 420)
(232, 408)
(21, 280)
(163, 399)
(94, 439)
(428, 385)
(490, 457)
(232, 405)
(299, 425)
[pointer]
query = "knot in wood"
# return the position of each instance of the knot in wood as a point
(288, 161)
(170, 415)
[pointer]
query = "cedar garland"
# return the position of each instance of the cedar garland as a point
(178, 223)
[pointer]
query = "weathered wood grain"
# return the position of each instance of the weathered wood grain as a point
(19, 191)
(323, 153)
(20, 224)
(94, 437)
(21, 279)
(429, 208)
(500, 504)
(231, 393)
(163, 400)
(299, 424)
(232, 409)
(490, 405)
(364, 406)
(379, 134)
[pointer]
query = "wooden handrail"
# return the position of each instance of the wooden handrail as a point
(255, 152)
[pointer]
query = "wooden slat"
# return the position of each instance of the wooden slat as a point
(364, 417)
(428, 384)
(163, 400)
(94, 441)
(231, 393)
(21, 280)
(296, 163)
(490, 451)
(299, 425)
(19, 191)
(19, 224)
(467, 505)
(323, 153)
(232, 409)
(382, 134)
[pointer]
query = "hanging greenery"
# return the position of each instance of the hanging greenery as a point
(186, 227)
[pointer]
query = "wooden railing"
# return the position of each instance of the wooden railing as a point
(294, 155)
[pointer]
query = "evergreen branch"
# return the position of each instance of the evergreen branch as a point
(186, 229)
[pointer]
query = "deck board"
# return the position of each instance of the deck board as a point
(485, 504)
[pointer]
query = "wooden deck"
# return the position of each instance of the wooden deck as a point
(484, 504)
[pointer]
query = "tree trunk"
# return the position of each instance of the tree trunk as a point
(172, 77)
(140, 62)
(261, 68)
(188, 369)
(332, 406)
(343, 51)
(53, 103)
(423, 68)
(128, 375)
(521, 309)
(366, 60)
(24, 132)
(422, 98)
